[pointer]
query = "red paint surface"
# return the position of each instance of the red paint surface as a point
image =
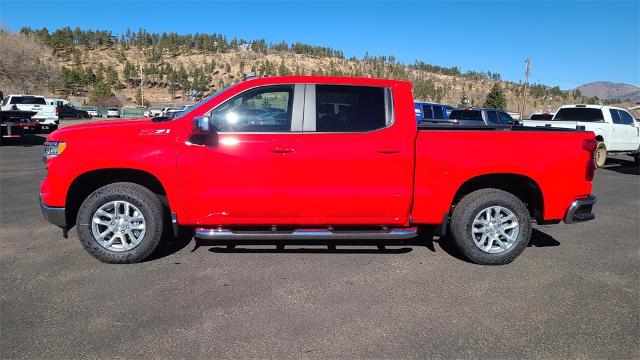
(390, 176)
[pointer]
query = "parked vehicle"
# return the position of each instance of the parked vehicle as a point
(113, 112)
(46, 115)
(94, 112)
(478, 116)
(366, 171)
(68, 111)
(15, 123)
(170, 112)
(153, 113)
(541, 116)
(613, 127)
(429, 111)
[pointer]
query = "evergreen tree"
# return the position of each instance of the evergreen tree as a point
(496, 98)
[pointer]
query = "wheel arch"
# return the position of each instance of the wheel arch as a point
(523, 187)
(86, 183)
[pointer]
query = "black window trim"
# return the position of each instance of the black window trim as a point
(309, 118)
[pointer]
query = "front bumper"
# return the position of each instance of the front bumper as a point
(54, 215)
(581, 210)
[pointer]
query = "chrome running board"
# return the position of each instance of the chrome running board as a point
(311, 234)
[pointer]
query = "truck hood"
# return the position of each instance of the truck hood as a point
(102, 127)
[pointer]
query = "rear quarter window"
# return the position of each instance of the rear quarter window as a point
(579, 114)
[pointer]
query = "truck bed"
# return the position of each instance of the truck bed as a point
(553, 159)
(540, 128)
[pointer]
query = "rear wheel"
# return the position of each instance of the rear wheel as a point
(491, 227)
(600, 155)
(121, 223)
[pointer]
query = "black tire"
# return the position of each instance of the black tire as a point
(466, 211)
(139, 196)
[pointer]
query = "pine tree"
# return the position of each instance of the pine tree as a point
(496, 98)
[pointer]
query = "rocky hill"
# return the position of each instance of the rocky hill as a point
(96, 67)
(609, 90)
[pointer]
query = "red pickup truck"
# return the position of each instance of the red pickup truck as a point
(299, 157)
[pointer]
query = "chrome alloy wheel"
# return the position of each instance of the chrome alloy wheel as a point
(118, 226)
(495, 229)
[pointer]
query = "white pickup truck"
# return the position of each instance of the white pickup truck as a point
(616, 130)
(46, 115)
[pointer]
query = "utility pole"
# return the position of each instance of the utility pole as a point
(141, 89)
(526, 84)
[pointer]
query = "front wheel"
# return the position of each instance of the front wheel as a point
(121, 223)
(491, 227)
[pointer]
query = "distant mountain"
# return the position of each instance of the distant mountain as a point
(610, 90)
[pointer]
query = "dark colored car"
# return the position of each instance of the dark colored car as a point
(479, 116)
(66, 111)
(432, 112)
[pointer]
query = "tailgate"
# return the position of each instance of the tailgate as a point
(42, 111)
(551, 123)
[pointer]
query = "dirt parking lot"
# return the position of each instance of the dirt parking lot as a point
(573, 293)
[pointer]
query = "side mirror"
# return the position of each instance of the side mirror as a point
(202, 125)
(203, 132)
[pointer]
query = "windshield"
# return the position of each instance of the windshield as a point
(579, 114)
(466, 115)
(195, 106)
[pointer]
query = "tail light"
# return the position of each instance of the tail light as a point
(590, 146)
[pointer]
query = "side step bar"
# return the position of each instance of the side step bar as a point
(311, 234)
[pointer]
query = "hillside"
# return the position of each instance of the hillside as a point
(97, 68)
(609, 90)
(222, 69)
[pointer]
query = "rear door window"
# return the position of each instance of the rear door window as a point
(615, 116)
(437, 112)
(343, 108)
(492, 117)
(466, 115)
(579, 114)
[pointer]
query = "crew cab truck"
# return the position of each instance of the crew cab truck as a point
(46, 115)
(261, 160)
(614, 128)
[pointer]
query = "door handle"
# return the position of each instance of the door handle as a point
(282, 150)
(388, 150)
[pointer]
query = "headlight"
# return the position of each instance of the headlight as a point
(53, 149)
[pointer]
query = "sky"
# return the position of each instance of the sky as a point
(569, 42)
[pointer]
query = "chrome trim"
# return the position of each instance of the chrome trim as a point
(298, 108)
(388, 107)
(577, 204)
(311, 234)
(309, 119)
